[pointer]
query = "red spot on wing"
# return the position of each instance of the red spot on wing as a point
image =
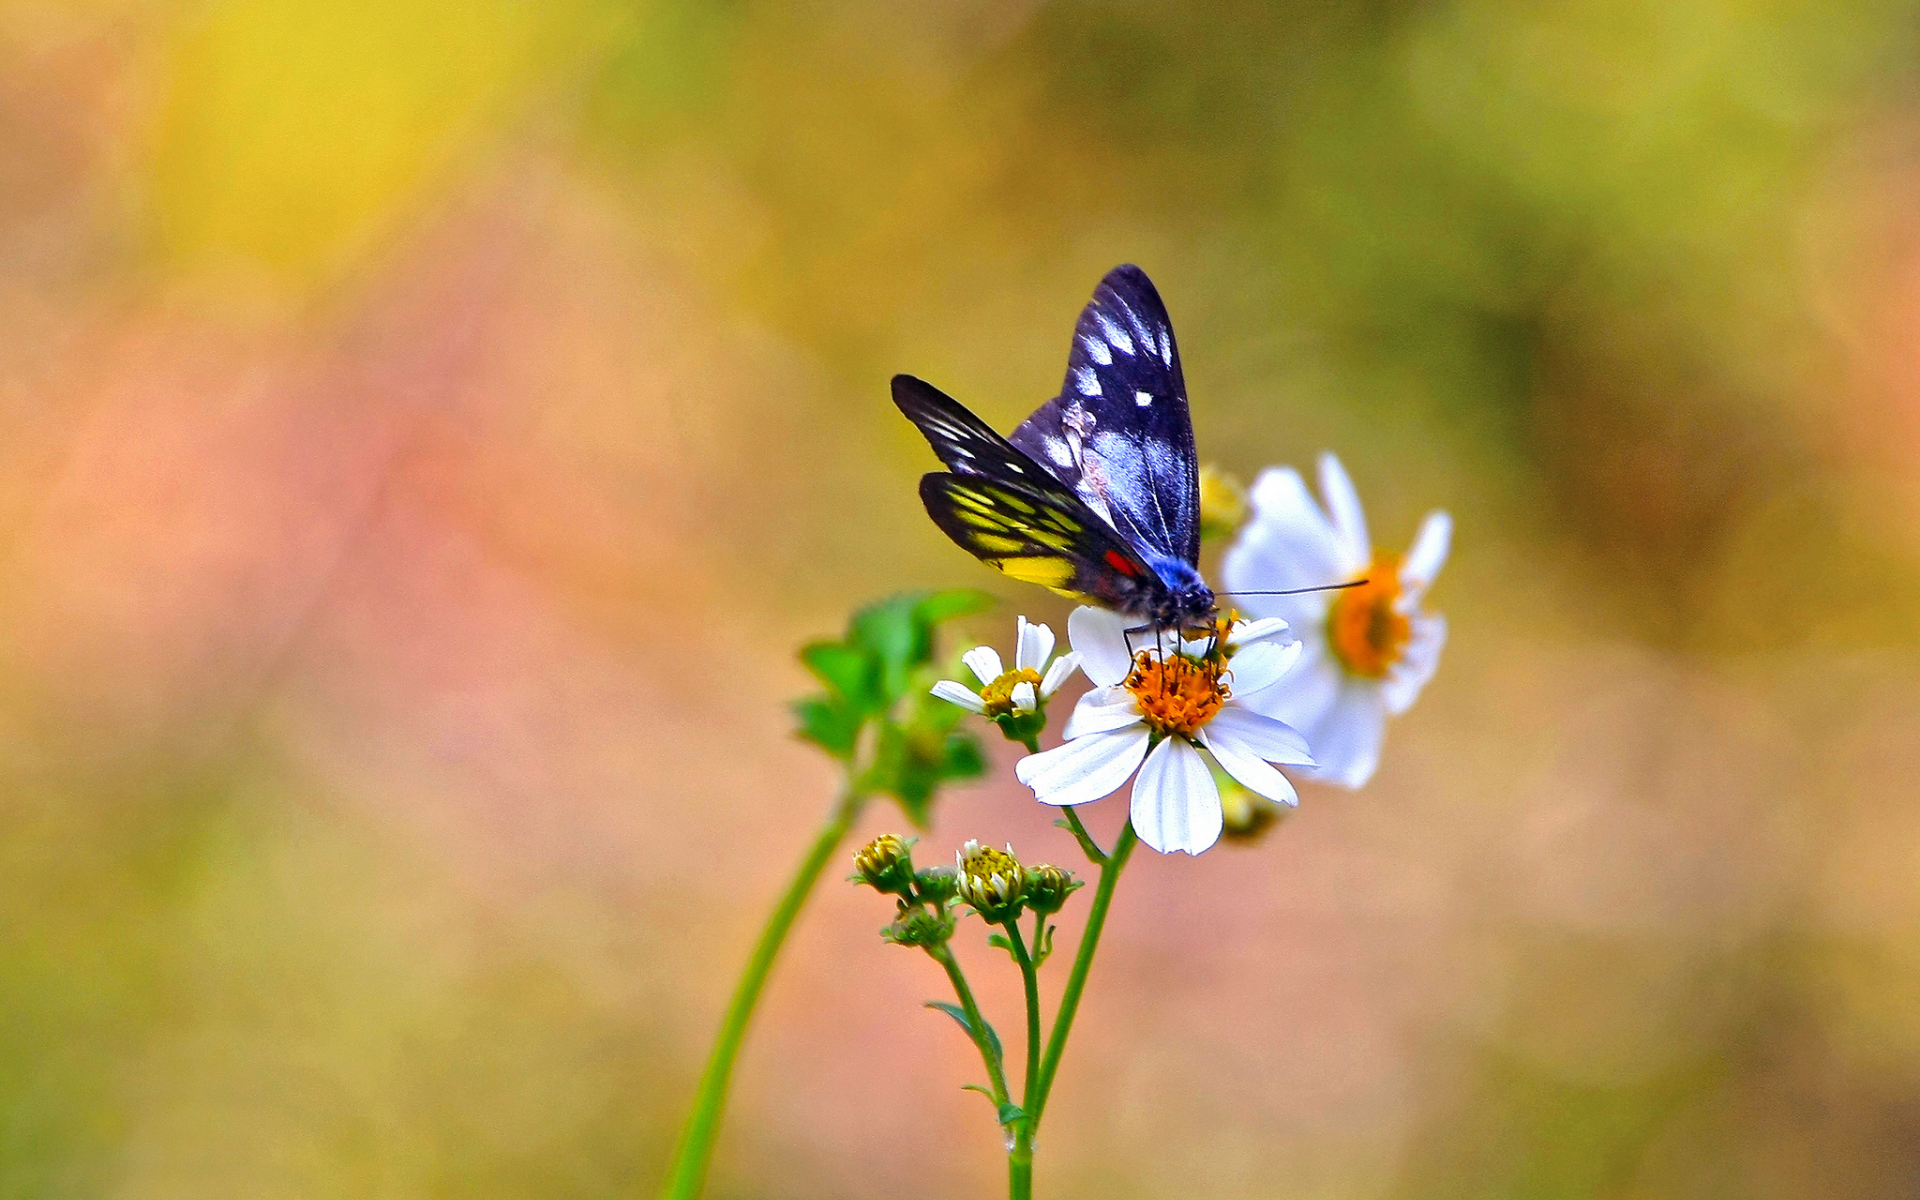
(1122, 563)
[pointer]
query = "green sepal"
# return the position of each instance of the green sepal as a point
(960, 1014)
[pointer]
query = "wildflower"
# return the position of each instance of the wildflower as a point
(886, 865)
(990, 880)
(1366, 651)
(1154, 710)
(1011, 695)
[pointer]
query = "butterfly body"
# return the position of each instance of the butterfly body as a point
(1097, 494)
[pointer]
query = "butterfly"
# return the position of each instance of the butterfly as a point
(1097, 494)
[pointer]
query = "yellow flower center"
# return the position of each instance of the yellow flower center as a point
(1177, 694)
(998, 695)
(1365, 627)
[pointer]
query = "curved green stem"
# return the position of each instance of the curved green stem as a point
(687, 1174)
(1088, 846)
(1077, 980)
(976, 1025)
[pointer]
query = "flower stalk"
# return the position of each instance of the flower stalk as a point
(687, 1173)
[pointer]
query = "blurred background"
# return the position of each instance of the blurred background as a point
(428, 428)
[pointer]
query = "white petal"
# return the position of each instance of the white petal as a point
(1304, 694)
(1085, 769)
(1175, 803)
(1058, 674)
(961, 694)
(1100, 711)
(1100, 638)
(1346, 743)
(1429, 552)
(1023, 697)
(983, 661)
(1343, 505)
(1032, 647)
(1263, 629)
(1288, 544)
(1249, 768)
(1274, 741)
(1262, 665)
(1419, 659)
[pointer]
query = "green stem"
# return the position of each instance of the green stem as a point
(1030, 979)
(1077, 980)
(687, 1174)
(1087, 845)
(975, 1024)
(1020, 1164)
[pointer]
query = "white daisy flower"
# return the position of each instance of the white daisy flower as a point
(1017, 692)
(1368, 650)
(1154, 710)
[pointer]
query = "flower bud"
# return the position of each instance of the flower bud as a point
(1223, 503)
(990, 880)
(919, 927)
(885, 865)
(935, 885)
(1048, 887)
(1246, 815)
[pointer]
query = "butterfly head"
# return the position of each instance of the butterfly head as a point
(1186, 600)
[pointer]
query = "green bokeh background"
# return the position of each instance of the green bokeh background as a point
(427, 429)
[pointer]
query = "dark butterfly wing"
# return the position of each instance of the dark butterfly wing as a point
(1038, 536)
(1120, 434)
(968, 445)
(1009, 512)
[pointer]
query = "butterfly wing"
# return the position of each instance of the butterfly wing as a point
(1120, 434)
(1009, 512)
(1038, 536)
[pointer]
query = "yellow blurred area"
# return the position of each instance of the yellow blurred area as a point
(428, 430)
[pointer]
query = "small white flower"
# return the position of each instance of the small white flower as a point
(1022, 690)
(1367, 651)
(1154, 711)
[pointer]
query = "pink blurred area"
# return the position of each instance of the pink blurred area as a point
(425, 437)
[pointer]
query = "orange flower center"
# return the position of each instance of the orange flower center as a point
(1176, 694)
(998, 695)
(1365, 626)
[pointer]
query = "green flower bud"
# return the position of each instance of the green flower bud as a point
(990, 880)
(885, 865)
(919, 927)
(1223, 503)
(1246, 815)
(935, 885)
(1048, 887)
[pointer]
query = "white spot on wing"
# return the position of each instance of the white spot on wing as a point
(1097, 349)
(1086, 381)
(1057, 451)
(1118, 336)
(1166, 346)
(1143, 398)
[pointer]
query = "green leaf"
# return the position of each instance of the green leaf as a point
(828, 724)
(945, 606)
(896, 638)
(1011, 1112)
(848, 671)
(960, 1014)
(974, 1087)
(1000, 940)
(910, 765)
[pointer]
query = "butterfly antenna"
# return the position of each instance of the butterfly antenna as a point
(1325, 587)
